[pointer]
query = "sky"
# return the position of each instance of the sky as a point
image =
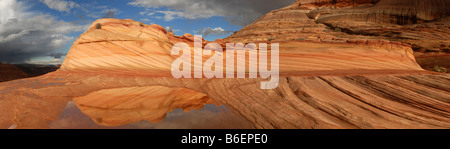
(42, 31)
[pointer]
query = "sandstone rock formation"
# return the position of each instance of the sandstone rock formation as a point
(289, 23)
(422, 24)
(110, 72)
(10, 72)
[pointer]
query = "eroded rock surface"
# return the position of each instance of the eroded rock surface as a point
(423, 25)
(322, 84)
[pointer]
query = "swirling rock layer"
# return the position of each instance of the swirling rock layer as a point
(120, 74)
(421, 24)
(328, 101)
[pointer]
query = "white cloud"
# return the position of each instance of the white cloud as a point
(170, 15)
(237, 11)
(60, 5)
(145, 20)
(106, 10)
(25, 34)
(171, 29)
(55, 61)
(219, 31)
(96, 12)
(7, 8)
(147, 12)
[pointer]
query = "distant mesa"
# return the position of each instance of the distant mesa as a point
(10, 72)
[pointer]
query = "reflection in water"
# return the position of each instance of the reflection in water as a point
(133, 108)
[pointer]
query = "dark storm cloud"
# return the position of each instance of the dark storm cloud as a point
(57, 55)
(241, 12)
(25, 35)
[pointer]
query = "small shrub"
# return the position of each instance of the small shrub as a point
(141, 24)
(270, 39)
(440, 69)
(98, 26)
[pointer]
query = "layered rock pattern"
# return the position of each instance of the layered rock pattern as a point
(420, 24)
(119, 45)
(120, 74)
(374, 100)
(289, 23)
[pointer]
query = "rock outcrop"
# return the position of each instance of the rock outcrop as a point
(118, 45)
(10, 72)
(420, 24)
(286, 24)
(109, 73)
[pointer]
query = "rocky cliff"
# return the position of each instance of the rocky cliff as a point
(421, 24)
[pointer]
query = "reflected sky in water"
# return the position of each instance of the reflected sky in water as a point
(209, 117)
